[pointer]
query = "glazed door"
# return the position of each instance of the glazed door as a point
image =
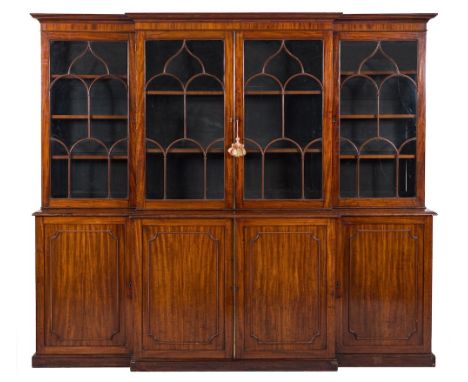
(86, 117)
(186, 306)
(381, 120)
(284, 304)
(384, 279)
(187, 118)
(283, 111)
(82, 276)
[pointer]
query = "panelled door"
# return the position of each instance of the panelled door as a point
(185, 118)
(283, 110)
(185, 303)
(386, 309)
(83, 305)
(284, 279)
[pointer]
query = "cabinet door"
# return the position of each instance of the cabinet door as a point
(87, 122)
(285, 279)
(381, 120)
(188, 102)
(186, 299)
(81, 285)
(284, 105)
(385, 279)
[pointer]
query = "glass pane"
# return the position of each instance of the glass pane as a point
(377, 178)
(59, 176)
(358, 96)
(58, 168)
(205, 118)
(398, 96)
(89, 119)
(378, 106)
(154, 166)
(283, 119)
(214, 167)
(118, 169)
(69, 96)
(407, 168)
(406, 180)
(109, 131)
(185, 177)
(253, 174)
(262, 118)
(165, 118)
(313, 167)
(88, 178)
(68, 131)
(185, 119)
(348, 187)
(108, 97)
(282, 171)
(303, 118)
(88, 169)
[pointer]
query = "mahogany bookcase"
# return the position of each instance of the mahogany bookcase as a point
(239, 191)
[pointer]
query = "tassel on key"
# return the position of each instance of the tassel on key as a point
(237, 149)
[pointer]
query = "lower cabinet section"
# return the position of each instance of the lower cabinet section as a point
(185, 272)
(384, 277)
(82, 274)
(285, 276)
(273, 300)
(234, 293)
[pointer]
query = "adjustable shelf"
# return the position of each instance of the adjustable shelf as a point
(72, 76)
(221, 151)
(280, 92)
(375, 116)
(377, 156)
(185, 151)
(93, 116)
(188, 92)
(90, 157)
(287, 151)
(378, 72)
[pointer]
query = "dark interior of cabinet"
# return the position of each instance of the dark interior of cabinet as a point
(88, 119)
(283, 119)
(185, 119)
(185, 116)
(378, 99)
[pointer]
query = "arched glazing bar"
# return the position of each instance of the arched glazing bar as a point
(185, 118)
(378, 90)
(89, 103)
(283, 106)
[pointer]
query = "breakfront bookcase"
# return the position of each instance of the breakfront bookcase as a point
(233, 192)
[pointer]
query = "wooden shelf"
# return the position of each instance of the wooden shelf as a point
(279, 92)
(378, 156)
(378, 72)
(86, 76)
(84, 116)
(375, 116)
(188, 92)
(185, 151)
(221, 151)
(89, 157)
(289, 151)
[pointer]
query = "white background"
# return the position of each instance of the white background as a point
(446, 181)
